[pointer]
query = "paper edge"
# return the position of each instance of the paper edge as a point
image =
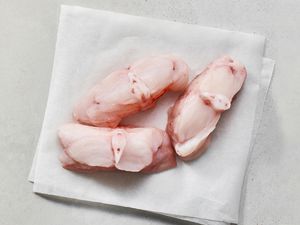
(72, 7)
(31, 175)
(268, 71)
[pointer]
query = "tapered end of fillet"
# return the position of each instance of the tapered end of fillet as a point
(181, 72)
(72, 132)
(68, 163)
(235, 66)
(82, 110)
(85, 147)
(164, 158)
(190, 151)
(87, 112)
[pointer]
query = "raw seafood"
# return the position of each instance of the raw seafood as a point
(129, 90)
(196, 113)
(89, 148)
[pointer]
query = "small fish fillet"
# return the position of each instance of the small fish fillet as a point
(92, 149)
(127, 91)
(196, 113)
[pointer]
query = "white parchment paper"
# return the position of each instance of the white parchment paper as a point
(93, 43)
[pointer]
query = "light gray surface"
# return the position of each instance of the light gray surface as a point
(27, 40)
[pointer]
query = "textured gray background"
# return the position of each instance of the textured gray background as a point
(27, 40)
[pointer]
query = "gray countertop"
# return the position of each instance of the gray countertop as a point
(27, 40)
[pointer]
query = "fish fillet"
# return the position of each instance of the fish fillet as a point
(92, 149)
(127, 91)
(196, 113)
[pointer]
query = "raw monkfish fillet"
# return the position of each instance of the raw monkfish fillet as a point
(129, 90)
(89, 148)
(196, 113)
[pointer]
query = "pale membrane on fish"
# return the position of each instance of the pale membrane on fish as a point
(129, 149)
(196, 113)
(127, 91)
